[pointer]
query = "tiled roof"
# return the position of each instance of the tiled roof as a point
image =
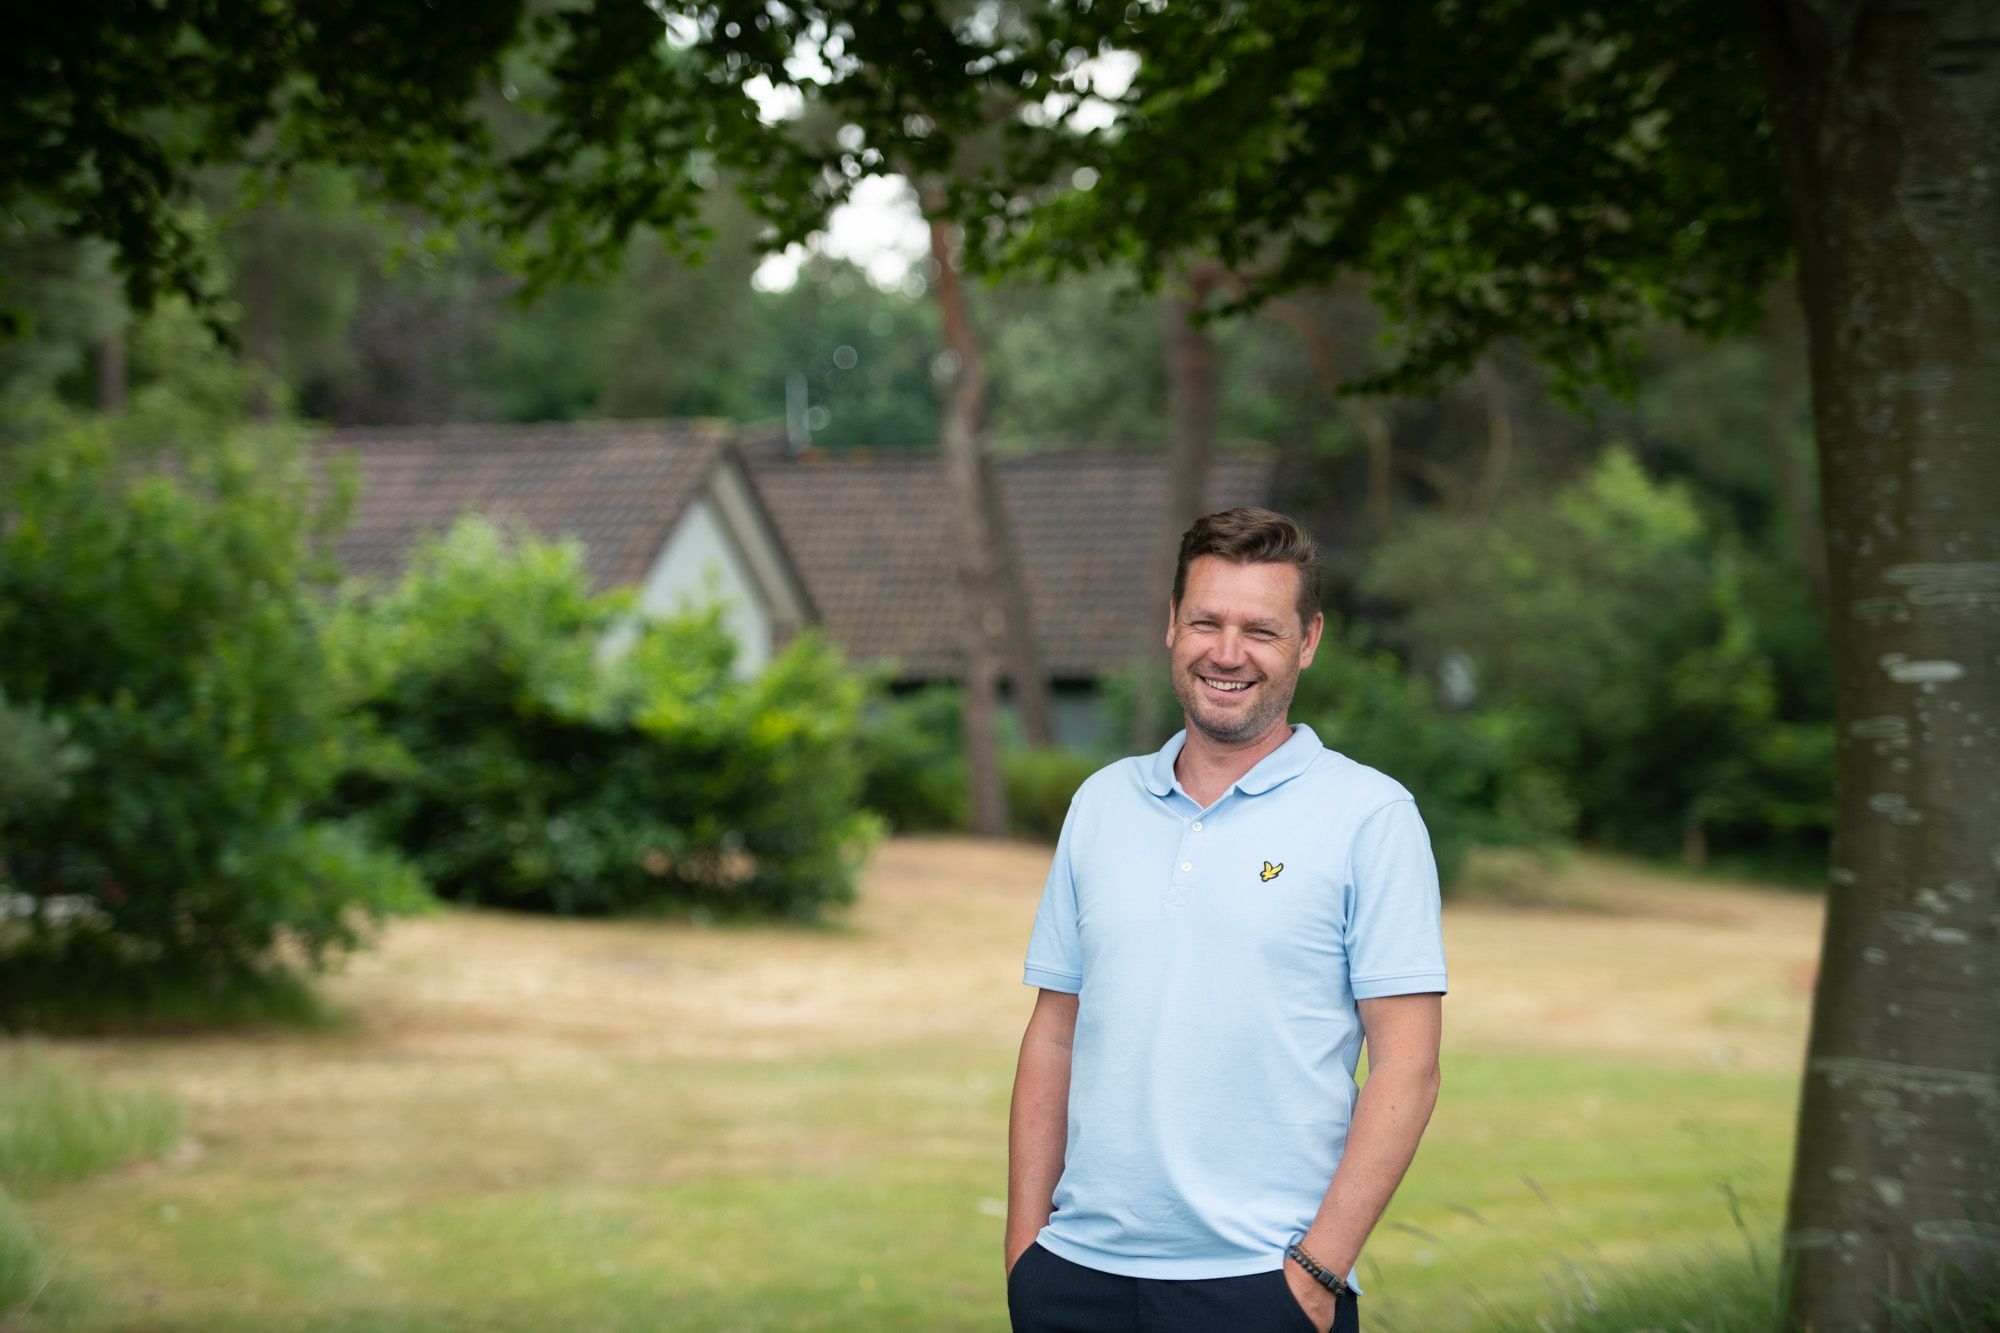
(616, 486)
(874, 538)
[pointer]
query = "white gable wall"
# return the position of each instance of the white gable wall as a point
(699, 566)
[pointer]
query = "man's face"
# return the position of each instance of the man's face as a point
(1236, 647)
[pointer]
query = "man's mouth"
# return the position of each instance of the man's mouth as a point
(1226, 686)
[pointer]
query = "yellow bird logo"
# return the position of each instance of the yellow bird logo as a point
(1271, 872)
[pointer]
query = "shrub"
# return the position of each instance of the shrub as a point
(1040, 783)
(89, 981)
(1621, 640)
(38, 762)
(915, 769)
(1460, 766)
(161, 648)
(513, 766)
(913, 765)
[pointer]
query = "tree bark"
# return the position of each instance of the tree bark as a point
(986, 566)
(1193, 407)
(1784, 349)
(1375, 430)
(1885, 115)
(111, 372)
(1499, 439)
(259, 288)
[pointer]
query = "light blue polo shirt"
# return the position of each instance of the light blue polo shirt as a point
(1217, 956)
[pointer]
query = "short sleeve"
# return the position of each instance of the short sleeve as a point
(1055, 961)
(1395, 936)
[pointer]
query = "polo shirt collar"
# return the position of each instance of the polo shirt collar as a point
(1281, 765)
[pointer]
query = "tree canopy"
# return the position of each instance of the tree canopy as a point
(1546, 171)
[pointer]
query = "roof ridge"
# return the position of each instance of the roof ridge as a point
(867, 459)
(519, 434)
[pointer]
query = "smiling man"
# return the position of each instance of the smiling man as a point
(1224, 924)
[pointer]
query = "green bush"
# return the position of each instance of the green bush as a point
(913, 766)
(1460, 766)
(915, 769)
(38, 763)
(88, 981)
(515, 765)
(161, 650)
(1621, 639)
(1040, 784)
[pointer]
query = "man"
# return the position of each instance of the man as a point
(1224, 923)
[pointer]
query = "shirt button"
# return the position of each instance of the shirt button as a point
(1197, 826)
(1187, 865)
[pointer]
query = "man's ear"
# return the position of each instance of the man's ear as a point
(1310, 645)
(1173, 616)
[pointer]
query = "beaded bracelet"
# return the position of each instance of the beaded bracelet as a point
(1315, 1270)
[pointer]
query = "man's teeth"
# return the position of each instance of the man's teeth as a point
(1229, 685)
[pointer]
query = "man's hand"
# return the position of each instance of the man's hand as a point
(1315, 1300)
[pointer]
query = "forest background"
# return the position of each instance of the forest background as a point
(1510, 549)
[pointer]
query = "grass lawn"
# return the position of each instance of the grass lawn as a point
(631, 1125)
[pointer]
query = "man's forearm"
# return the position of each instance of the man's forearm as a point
(1038, 1126)
(1389, 1119)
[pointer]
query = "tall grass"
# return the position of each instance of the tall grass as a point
(22, 1267)
(1950, 1300)
(1743, 1292)
(1712, 1293)
(56, 1124)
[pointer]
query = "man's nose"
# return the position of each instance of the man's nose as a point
(1228, 649)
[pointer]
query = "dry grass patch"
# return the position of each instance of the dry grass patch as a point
(528, 1123)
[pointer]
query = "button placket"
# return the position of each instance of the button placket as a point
(1181, 887)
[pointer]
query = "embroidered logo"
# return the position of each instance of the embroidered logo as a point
(1271, 872)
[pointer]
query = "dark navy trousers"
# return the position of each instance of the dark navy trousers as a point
(1048, 1294)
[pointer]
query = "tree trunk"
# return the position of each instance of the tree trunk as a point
(1193, 404)
(1885, 115)
(1499, 439)
(111, 372)
(982, 538)
(259, 288)
(1376, 433)
(1002, 594)
(1784, 349)
(1020, 649)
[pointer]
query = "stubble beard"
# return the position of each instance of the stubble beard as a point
(1275, 698)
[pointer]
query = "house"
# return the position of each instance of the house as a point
(862, 544)
(875, 538)
(666, 507)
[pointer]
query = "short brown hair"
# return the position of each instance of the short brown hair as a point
(1247, 535)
